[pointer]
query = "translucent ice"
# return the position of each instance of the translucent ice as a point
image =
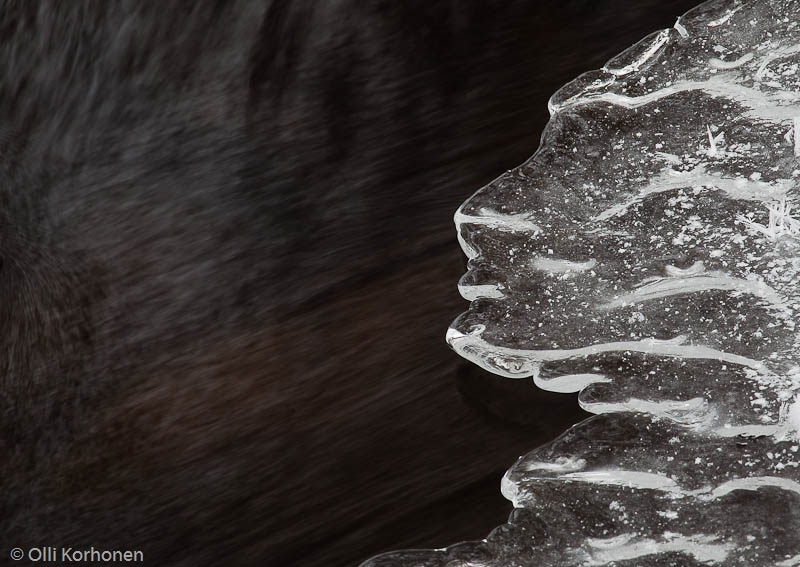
(648, 258)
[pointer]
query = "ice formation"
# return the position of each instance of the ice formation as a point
(648, 258)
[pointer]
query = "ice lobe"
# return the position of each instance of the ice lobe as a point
(647, 258)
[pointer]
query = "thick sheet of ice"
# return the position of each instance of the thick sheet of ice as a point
(648, 258)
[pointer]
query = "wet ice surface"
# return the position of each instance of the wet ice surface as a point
(647, 256)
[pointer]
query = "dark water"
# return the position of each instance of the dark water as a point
(229, 262)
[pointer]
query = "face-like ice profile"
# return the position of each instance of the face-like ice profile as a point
(647, 256)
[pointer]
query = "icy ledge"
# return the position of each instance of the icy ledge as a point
(647, 256)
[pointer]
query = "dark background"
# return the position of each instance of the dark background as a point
(228, 264)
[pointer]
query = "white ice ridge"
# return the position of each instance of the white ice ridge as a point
(634, 479)
(695, 269)
(559, 266)
(695, 412)
(487, 217)
(724, 18)
(561, 464)
(473, 292)
(752, 483)
(569, 383)
(736, 188)
(661, 39)
(523, 363)
(774, 55)
(628, 479)
(681, 29)
(469, 251)
(763, 105)
(703, 548)
(720, 64)
(663, 483)
(506, 222)
(669, 286)
(796, 135)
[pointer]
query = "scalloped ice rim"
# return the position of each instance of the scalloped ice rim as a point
(525, 363)
(516, 363)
